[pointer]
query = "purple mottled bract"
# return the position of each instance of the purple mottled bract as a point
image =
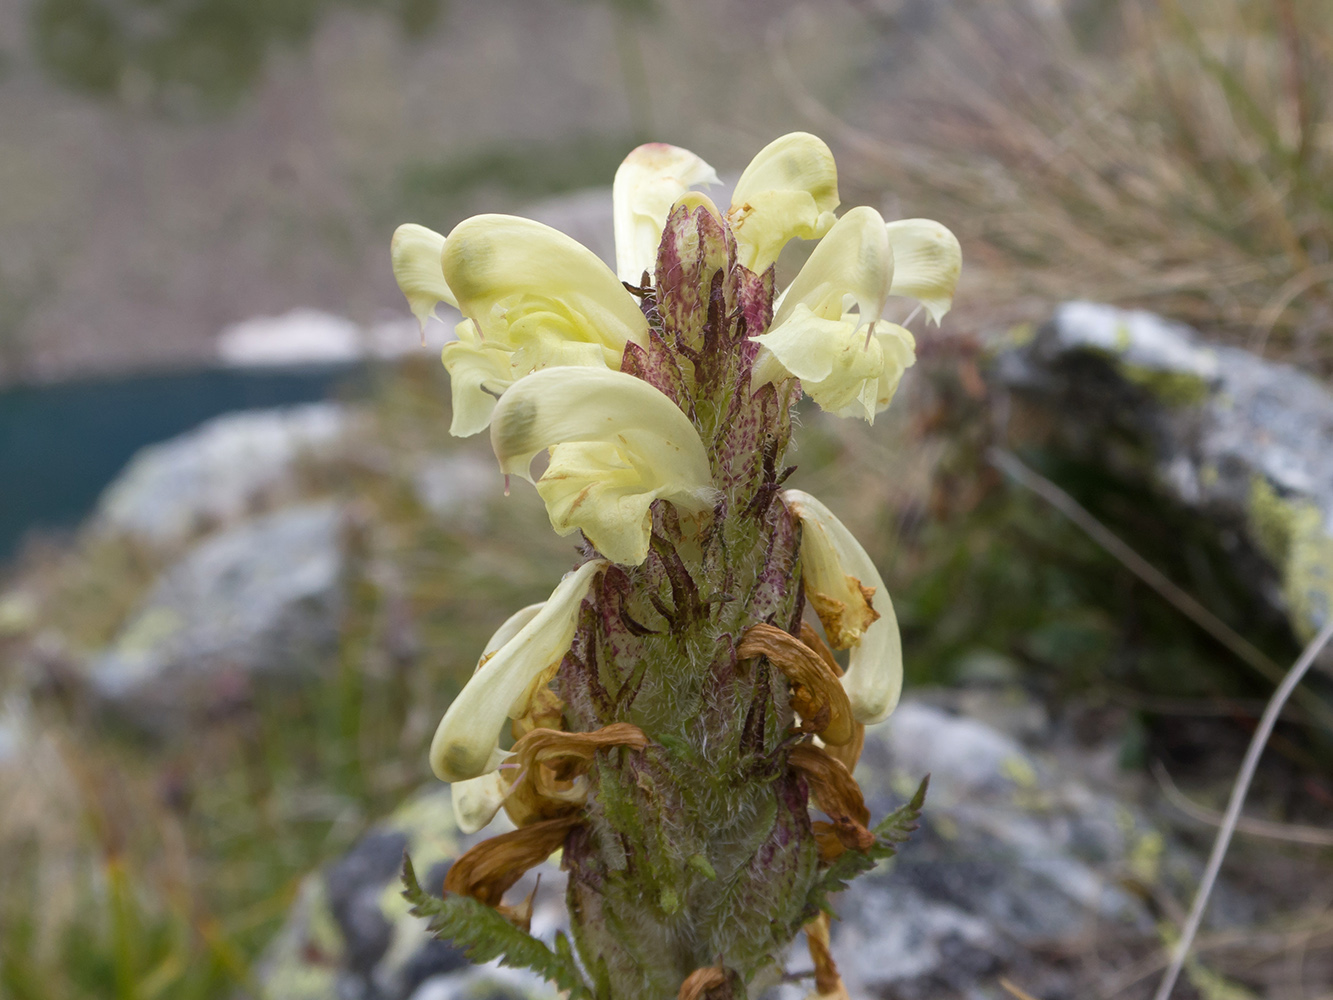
(699, 850)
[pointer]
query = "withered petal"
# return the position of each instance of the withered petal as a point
(550, 764)
(837, 794)
(490, 869)
(827, 841)
(828, 984)
(815, 686)
(705, 983)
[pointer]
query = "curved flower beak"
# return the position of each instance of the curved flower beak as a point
(531, 290)
(927, 262)
(650, 180)
(466, 744)
(616, 444)
(788, 191)
(416, 251)
(849, 596)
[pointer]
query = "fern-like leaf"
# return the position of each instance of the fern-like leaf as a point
(890, 832)
(483, 934)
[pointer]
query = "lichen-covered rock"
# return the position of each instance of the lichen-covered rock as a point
(350, 934)
(219, 471)
(258, 600)
(1245, 442)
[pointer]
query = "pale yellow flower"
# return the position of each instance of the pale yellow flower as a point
(518, 657)
(650, 180)
(789, 191)
(616, 445)
(862, 261)
(848, 594)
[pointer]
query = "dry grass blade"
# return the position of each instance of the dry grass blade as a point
(1290, 833)
(1238, 793)
(1172, 155)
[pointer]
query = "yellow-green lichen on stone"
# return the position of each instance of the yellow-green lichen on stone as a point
(313, 933)
(1292, 534)
(1174, 388)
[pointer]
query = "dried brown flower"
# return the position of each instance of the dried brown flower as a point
(816, 694)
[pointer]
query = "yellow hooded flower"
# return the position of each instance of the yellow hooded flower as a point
(651, 180)
(812, 337)
(518, 657)
(788, 191)
(847, 593)
(616, 445)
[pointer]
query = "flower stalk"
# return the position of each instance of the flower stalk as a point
(676, 714)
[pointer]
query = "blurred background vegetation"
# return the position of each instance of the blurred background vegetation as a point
(173, 166)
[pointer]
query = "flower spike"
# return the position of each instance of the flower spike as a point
(466, 744)
(415, 252)
(842, 582)
(652, 178)
(788, 191)
(616, 443)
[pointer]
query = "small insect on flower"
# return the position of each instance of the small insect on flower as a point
(674, 718)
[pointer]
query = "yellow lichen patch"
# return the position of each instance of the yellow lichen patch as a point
(816, 694)
(1292, 534)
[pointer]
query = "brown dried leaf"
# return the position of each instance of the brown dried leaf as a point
(850, 752)
(816, 694)
(836, 792)
(827, 841)
(811, 637)
(549, 765)
(491, 868)
(709, 983)
(828, 984)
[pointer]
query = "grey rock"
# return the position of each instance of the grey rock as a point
(1244, 442)
(1017, 857)
(351, 935)
(217, 472)
(14, 729)
(257, 601)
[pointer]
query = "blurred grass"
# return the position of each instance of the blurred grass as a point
(1176, 155)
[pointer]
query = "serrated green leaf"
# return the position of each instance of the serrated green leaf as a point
(483, 934)
(893, 830)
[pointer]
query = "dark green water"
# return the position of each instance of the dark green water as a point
(60, 445)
